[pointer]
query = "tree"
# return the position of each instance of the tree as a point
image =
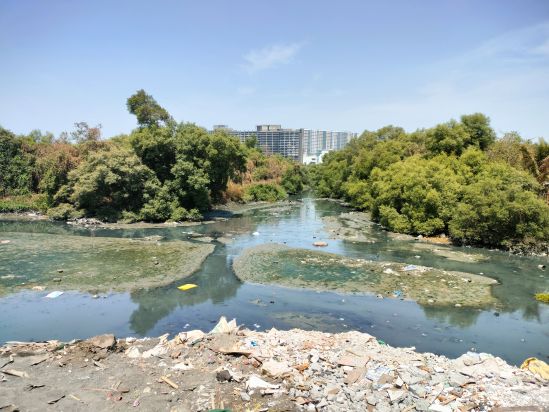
(156, 148)
(84, 133)
(294, 179)
(15, 165)
(110, 182)
(450, 137)
(215, 157)
(251, 142)
(147, 110)
(477, 126)
(501, 208)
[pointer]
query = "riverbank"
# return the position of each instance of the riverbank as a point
(250, 370)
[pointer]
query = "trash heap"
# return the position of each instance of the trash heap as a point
(237, 369)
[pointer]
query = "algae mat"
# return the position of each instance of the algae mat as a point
(95, 264)
(282, 265)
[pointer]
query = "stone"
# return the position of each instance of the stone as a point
(223, 376)
(182, 366)
(435, 407)
(421, 405)
(276, 369)
(331, 389)
(133, 352)
(458, 379)
(244, 396)
(107, 341)
(355, 361)
(355, 375)
(396, 395)
(371, 399)
(418, 390)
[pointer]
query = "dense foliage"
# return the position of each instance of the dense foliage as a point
(161, 171)
(454, 179)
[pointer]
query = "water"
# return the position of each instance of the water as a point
(516, 328)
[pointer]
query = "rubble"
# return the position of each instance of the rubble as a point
(281, 370)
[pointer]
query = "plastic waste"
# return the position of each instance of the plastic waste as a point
(224, 327)
(54, 294)
(397, 293)
(537, 367)
(255, 382)
(410, 267)
(187, 286)
(255, 234)
(375, 374)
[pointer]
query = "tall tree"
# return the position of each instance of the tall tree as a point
(147, 110)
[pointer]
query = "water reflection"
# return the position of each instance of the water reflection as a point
(216, 284)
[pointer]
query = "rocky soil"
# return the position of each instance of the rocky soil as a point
(242, 370)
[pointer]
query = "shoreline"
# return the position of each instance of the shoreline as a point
(273, 370)
(333, 224)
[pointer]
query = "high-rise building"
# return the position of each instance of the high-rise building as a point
(302, 145)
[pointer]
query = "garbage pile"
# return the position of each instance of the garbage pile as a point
(238, 369)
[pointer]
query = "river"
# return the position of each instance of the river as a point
(516, 328)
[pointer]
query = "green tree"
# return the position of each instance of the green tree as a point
(477, 126)
(214, 158)
(450, 137)
(147, 110)
(15, 165)
(110, 182)
(294, 179)
(501, 208)
(156, 148)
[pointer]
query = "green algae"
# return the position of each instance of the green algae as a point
(94, 264)
(281, 265)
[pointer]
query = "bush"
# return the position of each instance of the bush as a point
(64, 211)
(294, 179)
(15, 166)
(501, 208)
(180, 214)
(23, 203)
(264, 192)
(129, 217)
(109, 182)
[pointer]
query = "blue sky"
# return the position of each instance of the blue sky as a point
(346, 65)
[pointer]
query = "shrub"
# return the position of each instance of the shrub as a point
(23, 203)
(109, 182)
(64, 211)
(267, 192)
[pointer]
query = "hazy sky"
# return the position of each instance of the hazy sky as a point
(343, 65)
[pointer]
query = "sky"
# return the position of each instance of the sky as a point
(345, 65)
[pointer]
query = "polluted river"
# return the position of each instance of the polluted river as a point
(260, 265)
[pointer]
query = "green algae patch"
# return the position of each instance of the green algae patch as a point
(282, 265)
(94, 264)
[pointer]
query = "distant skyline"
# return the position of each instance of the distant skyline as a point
(350, 65)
